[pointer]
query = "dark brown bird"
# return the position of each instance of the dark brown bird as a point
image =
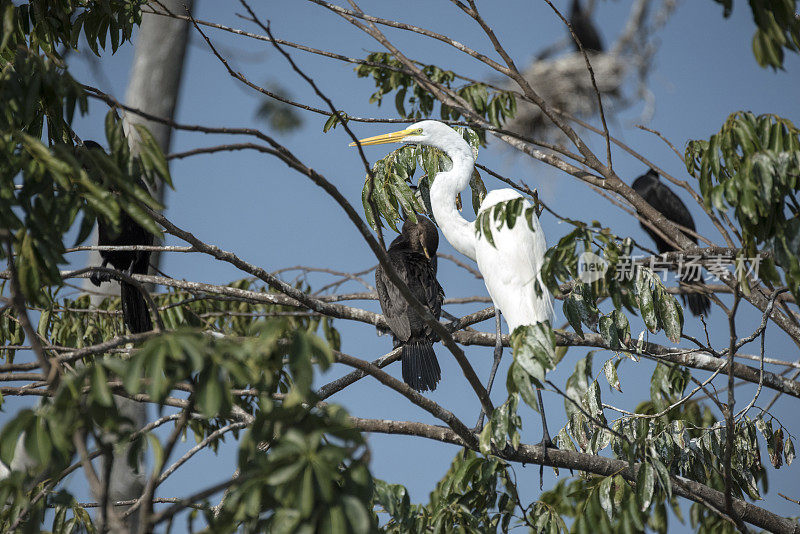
(661, 197)
(413, 256)
(134, 308)
(584, 29)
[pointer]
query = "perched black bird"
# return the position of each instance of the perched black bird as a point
(584, 29)
(661, 197)
(413, 256)
(134, 308)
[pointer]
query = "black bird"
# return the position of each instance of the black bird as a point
(135, 312)
(413, 256)
(661, 197)
(584, 29)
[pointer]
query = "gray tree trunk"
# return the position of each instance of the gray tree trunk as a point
(153, 87)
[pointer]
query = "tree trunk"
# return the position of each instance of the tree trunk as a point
(153, 87)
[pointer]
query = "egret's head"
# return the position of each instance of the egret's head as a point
(428, 132)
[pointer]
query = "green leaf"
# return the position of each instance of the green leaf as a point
(788, 451)
(608, 331)
(670, 314)
(644, 299)
(604, 493)
(622, 326)
(572, 312)
(775, 448)
(610, 370)
(485, 228)
(357, 515)
(152, 150)
(564, 442)
(100, 389)
(211, 392)
(44, 323)
(534, 349)
(663, 476)
(519, 381)
(645, 485)
(478, 190)
(37, 442)
(594, 403)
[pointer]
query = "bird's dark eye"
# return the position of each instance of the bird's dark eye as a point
(416, 131)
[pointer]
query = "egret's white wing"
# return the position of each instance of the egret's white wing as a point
(512, 267)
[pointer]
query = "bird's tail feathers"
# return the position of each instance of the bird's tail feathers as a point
(699, 304)
(134, 309)
(420, 367)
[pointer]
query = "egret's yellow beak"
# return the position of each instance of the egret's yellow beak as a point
(394, 137)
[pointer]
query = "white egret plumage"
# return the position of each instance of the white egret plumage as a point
(511, 267)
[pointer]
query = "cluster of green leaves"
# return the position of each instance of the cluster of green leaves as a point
(34, 85)
(389, 188)
(11, 333)
(586, 421)
(496, 106)
(534, 351)
(561, 262)
(752, 165)
(302, 468)
(386, 80)
(49, 430)
(47, 25)
(780, 447)
(314, 475)
(59, 182)
(264, 365)
(610, 504)
(43, 185)
(777, 27)
(477, 494)
(79, 323)
(631, 286)
(685, 441)
(502, 428)
(413, 101)
(505, 214)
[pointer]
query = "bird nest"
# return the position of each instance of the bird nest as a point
(565, 84)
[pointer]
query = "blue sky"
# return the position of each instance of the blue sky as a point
(253, 205)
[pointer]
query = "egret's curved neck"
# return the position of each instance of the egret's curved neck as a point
(458, 231)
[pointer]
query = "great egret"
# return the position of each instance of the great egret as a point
(661, 197)
(413, 256)
(134, 308)
(584, 29)
(511, 267)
